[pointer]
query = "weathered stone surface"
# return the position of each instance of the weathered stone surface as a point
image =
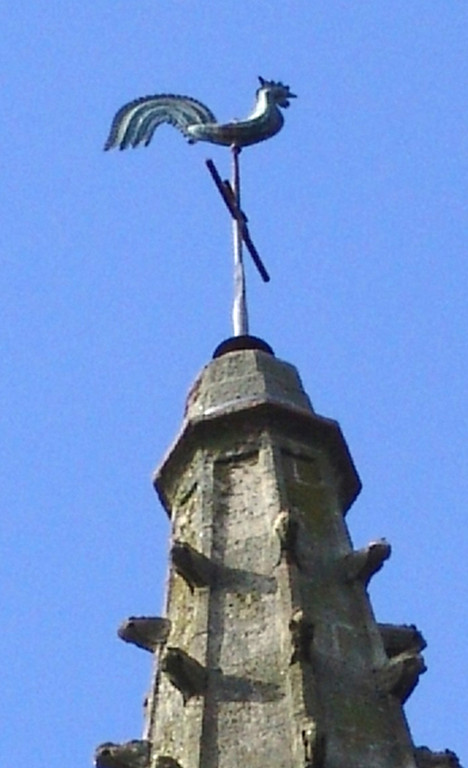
(287, 529)
(398, 638)
(252, 449)
(400, 675)
(132, 754)
(245, 392)
(364, 563)
(195, 568)
(427, 759)
(274, 645)
(184, 672)
(314, 745)
(302, 635)
(242, 380)
(147, 632)
(163, 761)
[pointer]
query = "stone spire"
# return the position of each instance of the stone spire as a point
(269, 653)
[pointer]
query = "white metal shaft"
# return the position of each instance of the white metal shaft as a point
(239, 311)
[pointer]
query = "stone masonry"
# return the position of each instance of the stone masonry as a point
(269, 653)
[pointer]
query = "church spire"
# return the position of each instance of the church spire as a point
(269, 652)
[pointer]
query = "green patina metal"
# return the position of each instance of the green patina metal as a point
(135, 123)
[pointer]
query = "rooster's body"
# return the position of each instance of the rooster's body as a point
(136, 122)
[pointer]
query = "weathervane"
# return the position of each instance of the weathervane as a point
(135, 123)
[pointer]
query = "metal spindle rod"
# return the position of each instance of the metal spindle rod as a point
(239, 311)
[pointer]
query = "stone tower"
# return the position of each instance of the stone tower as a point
(268, 653)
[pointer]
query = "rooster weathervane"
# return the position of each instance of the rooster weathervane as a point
(135, 124)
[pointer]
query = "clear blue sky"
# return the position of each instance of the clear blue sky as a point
(116, 287)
